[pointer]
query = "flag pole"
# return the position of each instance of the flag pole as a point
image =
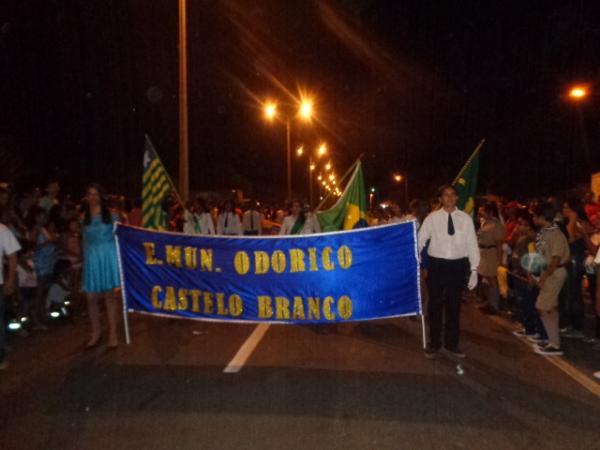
(469, 160)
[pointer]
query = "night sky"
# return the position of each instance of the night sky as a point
(414, 85)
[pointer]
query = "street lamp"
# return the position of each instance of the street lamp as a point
(398, 179)
(305, 112)
(319, 152)
(577, 95)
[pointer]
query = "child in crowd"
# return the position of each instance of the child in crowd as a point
(44, 236)
(28, 284)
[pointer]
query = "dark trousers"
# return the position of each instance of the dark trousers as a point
(592, 290)
(575, 308)
(530, 318)
(446, 280)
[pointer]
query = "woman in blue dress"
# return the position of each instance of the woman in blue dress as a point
(100, 266)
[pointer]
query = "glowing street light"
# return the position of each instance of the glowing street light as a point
(306, 109)
(322, 150)
(270, 110)
(312, 167)
(300, 151)
(578, 93)
(328, 166)
(397, 178)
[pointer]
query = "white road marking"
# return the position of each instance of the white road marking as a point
(240, 358)
(558, 361)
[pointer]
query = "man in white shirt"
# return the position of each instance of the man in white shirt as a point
(8, 248)
(228, 223)
(252, 220)
(453, 253)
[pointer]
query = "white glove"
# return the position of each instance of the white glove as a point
(472, 284)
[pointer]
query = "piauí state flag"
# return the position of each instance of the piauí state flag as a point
(466, 183)
(156, 187)
(350, 211)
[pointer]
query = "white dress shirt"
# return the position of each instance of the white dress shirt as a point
(462, 244)
(8, 246)
(311, 225)
(229, 223)
(198, 224)
(252, 221)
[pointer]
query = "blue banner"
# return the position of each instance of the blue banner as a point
(364, 274)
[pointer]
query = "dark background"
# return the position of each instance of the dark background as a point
(414, 85)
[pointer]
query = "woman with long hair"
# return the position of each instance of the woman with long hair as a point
(100, 266)
(298, 221)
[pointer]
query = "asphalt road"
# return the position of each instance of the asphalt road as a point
(361, 387)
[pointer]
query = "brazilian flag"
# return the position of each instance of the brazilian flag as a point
(466, 182)
(350, 211)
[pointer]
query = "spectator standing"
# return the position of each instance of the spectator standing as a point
(100, 267)
(490, 238)
(8, 249)
(553, 248)
(48, 201)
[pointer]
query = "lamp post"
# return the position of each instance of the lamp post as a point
(183, 104)
(398, 179)
(321, 151)
(305, 111)
(578, 94)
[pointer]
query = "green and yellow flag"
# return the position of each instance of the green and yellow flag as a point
(466, 182)
(156, 187)
(350, 211)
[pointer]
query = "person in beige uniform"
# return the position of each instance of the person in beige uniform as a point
(489, 239)
(553, 248)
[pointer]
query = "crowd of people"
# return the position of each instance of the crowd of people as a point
(536, 260)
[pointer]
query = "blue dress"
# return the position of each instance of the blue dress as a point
(100, 265)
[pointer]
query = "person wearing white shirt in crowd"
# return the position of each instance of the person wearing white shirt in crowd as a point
(453, 253)
(299, 222)
(252, 220)
(397, 216)
(199, 221)
(228, 222)
(8, 249)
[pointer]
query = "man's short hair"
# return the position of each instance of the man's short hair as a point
(444, 187)
(547, 211)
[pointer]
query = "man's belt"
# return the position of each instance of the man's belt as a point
(487, 246)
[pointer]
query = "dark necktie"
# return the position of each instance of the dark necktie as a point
(251, 220)
(226, 220)
(450, 225)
